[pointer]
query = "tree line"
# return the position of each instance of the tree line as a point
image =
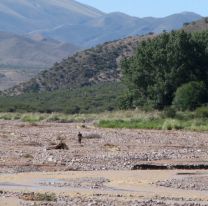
(171, 69)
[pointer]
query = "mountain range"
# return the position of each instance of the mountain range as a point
(23, 16)
(92, 66)
(35, 34)
(116, 25)
(84, 26)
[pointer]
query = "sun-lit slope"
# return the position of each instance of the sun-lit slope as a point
(200, 25)
(116, 25)
(28, 15)
(23, 51)
(21, 58)
(68, 20)
(92, 66)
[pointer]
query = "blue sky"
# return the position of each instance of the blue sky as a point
(155, 8)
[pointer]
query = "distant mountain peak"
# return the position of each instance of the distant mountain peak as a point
(188, 13)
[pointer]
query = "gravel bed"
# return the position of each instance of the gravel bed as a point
(188, 183)
(102, 200)
(23, 147)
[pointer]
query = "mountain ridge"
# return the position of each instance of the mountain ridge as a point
(88, 67)
(66, 20)
(50, 30)
(116, 25)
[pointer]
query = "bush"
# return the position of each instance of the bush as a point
(169, 112)
(126, 101)
(32, 118)
(46, 197)
(170, 124)
(201, 112)
(190, 95)
(88, 99)
(186, 24)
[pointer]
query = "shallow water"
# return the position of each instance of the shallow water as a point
(134, 184)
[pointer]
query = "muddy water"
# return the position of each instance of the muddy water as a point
(134, 184)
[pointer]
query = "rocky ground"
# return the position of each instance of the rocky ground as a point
(28, 147)
(23, 147)
(187, 183)
(99, 200)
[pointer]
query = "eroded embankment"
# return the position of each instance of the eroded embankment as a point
(170, 167)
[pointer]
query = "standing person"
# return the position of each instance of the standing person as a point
(79, 138)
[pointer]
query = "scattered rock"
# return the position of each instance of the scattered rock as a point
(112, 147)
(188, 183)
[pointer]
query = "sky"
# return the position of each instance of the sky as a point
(155, 8)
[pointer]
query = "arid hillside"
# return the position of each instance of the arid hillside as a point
(99, 64)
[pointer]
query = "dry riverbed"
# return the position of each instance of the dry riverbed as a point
(99, 170)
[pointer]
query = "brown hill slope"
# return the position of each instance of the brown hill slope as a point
(22, 51)
(200, 25)
(99, 64)
(21, 58)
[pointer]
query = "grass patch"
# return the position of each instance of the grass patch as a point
(135, 119)
(156, 120)
(132, 124)
(198, 124)
(10, 116)
(170, 124)
(33, 118)
(202, 112)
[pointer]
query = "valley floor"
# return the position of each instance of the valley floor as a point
(99, 170)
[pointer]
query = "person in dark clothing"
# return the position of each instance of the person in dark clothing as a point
(79, 138)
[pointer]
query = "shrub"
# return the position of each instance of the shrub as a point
(190, 95)
(170, 124)
(169, 112)
(199, 125)
(126, 101)
(202, 112)
(45, 197)
(49, 197)
(32, 118)
(186, 24)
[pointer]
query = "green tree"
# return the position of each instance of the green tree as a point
(163, 64)
(191, 95)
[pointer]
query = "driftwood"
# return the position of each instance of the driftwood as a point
(89, 136)
(60, 146)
